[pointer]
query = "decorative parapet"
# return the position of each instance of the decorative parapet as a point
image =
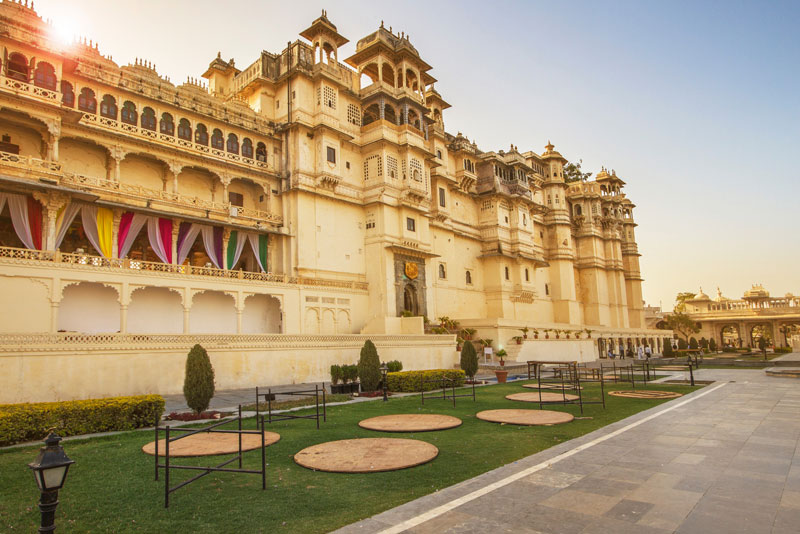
(10, 343)
(85, 261)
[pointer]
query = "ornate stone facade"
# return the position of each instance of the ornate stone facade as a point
(286, 197)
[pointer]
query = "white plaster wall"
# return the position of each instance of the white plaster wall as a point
(84, 374)
(155, 310)
(24, 306)
(89, 308)
(141, 171)
(195, 183)
(262, 315)
(213, 312)
(82, 158)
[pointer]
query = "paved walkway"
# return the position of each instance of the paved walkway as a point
(230, 399)
(723, 459)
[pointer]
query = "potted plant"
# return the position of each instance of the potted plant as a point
(336, 376)
(501, 374)
(558, 332)
(524, 331)
(459, 343)
(501, 355)
(467, 333)
(535, 334)
(589, 333)
(547, 333)
(488, 342)
(518, 339)
(351, 374)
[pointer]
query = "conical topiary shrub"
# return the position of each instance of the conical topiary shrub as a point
(668, 349)
(469, 360)
(198, 385)
(369, 367)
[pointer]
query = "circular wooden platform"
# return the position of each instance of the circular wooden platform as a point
(646, 394)
(546, 397)
(672, 368)
(366, 455)
(525, 417)
(210, 443)
(410, 422)
(550, 386)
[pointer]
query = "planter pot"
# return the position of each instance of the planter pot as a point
(535, 336)
(525, 336)
(458, 348)
(355, 387)
(502, 376)
(519, 342)
(340, 389)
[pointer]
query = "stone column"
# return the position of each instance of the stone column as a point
(226, 236)
(54, 316)
(175, 169)
(115, 234)
(382, 107)
(405, 113)
(123, 319)
(239, 311)
(176, 225)
(54, 129)
(51, 202)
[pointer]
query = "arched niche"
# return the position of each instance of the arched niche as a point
(197, 182)
(26, 307)
(328, 322)
(369, 75)
(155, 310)
(83, 157)
(343, 324)
(89, 308)
(24, 132)
(311, 321)
(139, 169)
(212, 312)
(262, 315)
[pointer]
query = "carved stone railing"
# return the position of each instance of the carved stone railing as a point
(780, 303)
(29, 163)
(28, 89)
(62, 341)
(79, 260)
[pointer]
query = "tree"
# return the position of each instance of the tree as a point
(693, 343)
(668, 349)
(198, 385)
(573, 173)
(469, 359)
(712, 345)
(680, 300)
(369, 367)
(682, 324)
(703, 343)
(682, 345)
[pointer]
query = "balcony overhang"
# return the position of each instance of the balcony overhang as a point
(45, 184)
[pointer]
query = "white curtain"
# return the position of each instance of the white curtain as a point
(188, 241)
(65, 220)
(253, 238)
(155, 239)
(89, 219)
(208, 242)
(241, 239)
(18, 205)
(136, 226)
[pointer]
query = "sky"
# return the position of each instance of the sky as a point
(696, 105)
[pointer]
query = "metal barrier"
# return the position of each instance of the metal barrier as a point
(445, 384)
(269, 396)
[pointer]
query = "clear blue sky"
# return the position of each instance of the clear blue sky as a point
(696, 105)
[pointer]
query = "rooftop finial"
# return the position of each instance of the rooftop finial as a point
(381, 24)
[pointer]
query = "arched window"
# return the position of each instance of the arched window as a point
(148, 120)
(442, 272)
(507, 273)
(247, 148)
(18, 67)
(67, 94)
(108, 107)
(469, 278)
(45, 76)
(129, 115)
(201, 135)
(261, 152)
(233, 144)
(87, 101)
(184, 130)
(167, 125)
(578, 209)
(527, 275)
(216, 139)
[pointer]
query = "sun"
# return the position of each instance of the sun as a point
(65, 30)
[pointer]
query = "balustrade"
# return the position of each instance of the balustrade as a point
(16, 255)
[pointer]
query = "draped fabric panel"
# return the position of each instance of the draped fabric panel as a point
(187, 234)
(35, 221)
(63, 221)
(18, 206)
(165, 233)
(212, 240)
(129, 227)
(154, 232)
(98, 226)
(235, 247)
(259, 246)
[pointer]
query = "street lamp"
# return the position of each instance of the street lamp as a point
(384, 372)
(50, 471)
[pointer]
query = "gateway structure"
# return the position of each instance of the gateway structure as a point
(279, 213)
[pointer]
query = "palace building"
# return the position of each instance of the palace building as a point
(280, 212)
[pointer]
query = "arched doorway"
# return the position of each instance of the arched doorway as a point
(758, 331)
(410, 303)
(729, 336)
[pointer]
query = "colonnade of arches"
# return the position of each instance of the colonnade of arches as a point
(93, 308)
(388, 112)
(620, 345)
(742, 335)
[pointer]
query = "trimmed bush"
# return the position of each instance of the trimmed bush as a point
(693, 343)
(668, 350)
(369, 367)
(411, 381)
(469, 359)
(198, 385)
(395, 366)
(712, 345)
(350, 373)
(682, 344)
(30, 422)
(703, 343)
(336, 374)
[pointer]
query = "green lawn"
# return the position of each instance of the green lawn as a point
(111, 488)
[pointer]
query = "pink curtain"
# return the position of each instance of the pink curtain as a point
(155, 234)
(130, 225)
(187, 233)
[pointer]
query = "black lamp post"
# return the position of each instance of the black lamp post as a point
(50, 471)
(384, 372)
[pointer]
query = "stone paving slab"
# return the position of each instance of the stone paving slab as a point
(724, 460)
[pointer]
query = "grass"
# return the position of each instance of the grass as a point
(296, 403)
(111, 488)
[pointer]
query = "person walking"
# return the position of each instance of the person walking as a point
(648, 351)
(640, 353)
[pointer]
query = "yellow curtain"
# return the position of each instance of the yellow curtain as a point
(105, 228)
